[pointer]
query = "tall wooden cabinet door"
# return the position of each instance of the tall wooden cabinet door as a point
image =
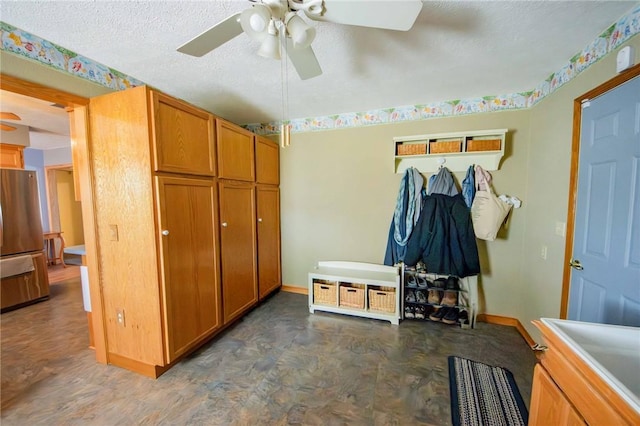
(267, 161)
(183, 137)
(235, 152)
(237, 248)
(189, 269)
(549, 406)
(269, 272)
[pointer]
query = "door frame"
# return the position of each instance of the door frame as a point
(573, 177)
(77, 106)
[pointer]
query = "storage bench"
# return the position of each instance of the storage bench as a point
(356, 288)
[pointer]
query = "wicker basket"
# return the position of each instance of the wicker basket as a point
(324, 293)
(483, 145)
(352, 295)
(441, 147)
(383, 299)
(412, 149)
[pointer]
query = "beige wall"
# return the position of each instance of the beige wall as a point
(339, 190)
(548, 170)
(70, 210)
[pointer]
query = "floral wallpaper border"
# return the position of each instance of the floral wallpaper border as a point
(15, 40)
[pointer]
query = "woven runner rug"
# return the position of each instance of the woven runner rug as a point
(482, 395)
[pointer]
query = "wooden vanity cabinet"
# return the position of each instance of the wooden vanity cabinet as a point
(156, 230)
(549, 406)
(567, 391)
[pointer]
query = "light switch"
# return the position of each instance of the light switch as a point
(113, 232)
(561, 229)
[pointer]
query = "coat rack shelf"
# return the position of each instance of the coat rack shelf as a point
(455, 150)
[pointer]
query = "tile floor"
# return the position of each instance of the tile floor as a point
(279, 365)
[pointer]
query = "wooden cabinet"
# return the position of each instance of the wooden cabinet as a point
(549, 406)
(23, 289)
(238, 248)
(183, 137)
(267, 161)
(160, 293)
(567, 390)
(236, 152)
(11, 156)
(268, 224)
(187, 213)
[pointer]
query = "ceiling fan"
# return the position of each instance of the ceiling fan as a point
(8, 116)
(276, 23)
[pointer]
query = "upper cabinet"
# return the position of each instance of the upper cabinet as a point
(183, 137)
(11, 156)
(236, 152)
(456, 150)
(267, 161)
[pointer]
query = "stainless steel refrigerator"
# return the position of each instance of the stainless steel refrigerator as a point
(23, 272)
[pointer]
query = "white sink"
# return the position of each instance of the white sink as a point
(612, 351)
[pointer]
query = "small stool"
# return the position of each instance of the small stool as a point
(50, 248)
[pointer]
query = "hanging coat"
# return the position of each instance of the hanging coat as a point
(443, 238)
(469, 186)
(405, 215)
(442, 183)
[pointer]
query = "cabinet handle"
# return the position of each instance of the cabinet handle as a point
(259, 219)
(224, 224)
(165, 232)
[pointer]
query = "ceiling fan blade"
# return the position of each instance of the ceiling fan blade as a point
(214, 37)
(9, 116)
(6, 127)
(397, 15)
(304, 61)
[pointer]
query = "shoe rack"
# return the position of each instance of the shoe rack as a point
(440, 298)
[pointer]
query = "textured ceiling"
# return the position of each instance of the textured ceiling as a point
(455, 50)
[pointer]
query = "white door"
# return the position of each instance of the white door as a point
(605, 279)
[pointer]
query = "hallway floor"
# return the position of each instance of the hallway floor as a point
(279, 365)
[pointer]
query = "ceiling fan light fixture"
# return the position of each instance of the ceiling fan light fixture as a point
(255, 21)
(301, 33)
(270, 47)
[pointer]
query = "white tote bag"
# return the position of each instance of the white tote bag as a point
(488, 212)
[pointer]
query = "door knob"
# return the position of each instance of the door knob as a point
(259, 219)
(165, 232)
(575, 264)
(224, 224)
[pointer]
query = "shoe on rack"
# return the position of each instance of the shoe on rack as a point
(423, 283)
(463, 318)
(409, 312)
(421, 267)
(450, 298)
(434, 297)
(411, 281)
(420, 297)
(451, 317)
(420, 312)
(438, 314)
(410, 297)
(452, 283)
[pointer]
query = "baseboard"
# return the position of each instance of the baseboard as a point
(295, 289)
(153, 371)
(513, 322)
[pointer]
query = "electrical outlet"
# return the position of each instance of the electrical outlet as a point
(543, 252)
(120, 316)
